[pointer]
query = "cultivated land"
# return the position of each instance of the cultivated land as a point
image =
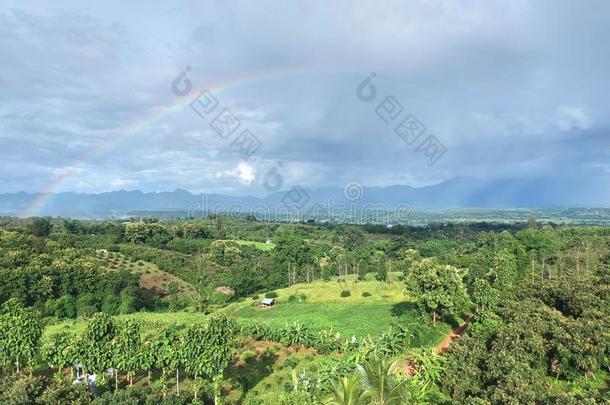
(153, 281)
(533, 301)
(319, 306)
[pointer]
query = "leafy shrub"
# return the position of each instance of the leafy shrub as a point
(86, 311)
(345, 293)
(290, 362)
(297, 298)
(366, 294)
(247, 356)
(271, 294)
(21, 389)
(65, 393)
(140, 263)
(270, 351)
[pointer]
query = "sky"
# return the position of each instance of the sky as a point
(92, 98)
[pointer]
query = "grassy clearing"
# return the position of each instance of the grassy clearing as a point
(259, 245)
(324, 308)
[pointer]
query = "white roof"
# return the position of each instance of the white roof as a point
(268, 301)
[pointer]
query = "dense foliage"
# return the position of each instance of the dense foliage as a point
(533, 301)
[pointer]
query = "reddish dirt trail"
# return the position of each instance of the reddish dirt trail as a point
(455, 334)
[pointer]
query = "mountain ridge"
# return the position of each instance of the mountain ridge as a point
(457, 192)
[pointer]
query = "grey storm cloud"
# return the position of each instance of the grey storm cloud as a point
(511, 88)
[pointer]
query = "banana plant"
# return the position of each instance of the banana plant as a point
(379, 377)
(349, 391)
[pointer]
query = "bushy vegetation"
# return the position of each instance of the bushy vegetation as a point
(61, 281)
(363, 314)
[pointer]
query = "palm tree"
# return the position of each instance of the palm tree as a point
(349, 391)
(379, 377)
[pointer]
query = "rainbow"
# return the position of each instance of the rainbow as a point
(137, 125)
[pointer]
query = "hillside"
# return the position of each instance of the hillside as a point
(369, 309)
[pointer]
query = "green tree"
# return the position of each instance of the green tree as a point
(126, 347)
(110, 304)
(167, 347)
(58, 350)
(504, 270)
(196, 356)
(220, 331)
(484, 296)
(40, 227)
(147, 356)
(65, 307)
(292, 255)
(128, 302)
(95, 344)
(172, 290)
(438, 289)
(20, 333)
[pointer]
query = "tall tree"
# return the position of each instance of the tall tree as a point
(20, 333)
(58, 350)
(40, 227)
(438, 289)
(220, 340)
(95, 345)
(126, 347)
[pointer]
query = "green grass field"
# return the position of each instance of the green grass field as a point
(324, 308)
(259, 245)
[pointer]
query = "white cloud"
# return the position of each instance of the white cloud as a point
(571, 117)
(244, 172)
(483, 76)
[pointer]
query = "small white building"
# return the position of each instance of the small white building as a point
(267, 303)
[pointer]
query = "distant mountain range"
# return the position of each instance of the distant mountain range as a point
(455, 193)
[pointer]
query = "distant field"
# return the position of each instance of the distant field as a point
(153, 281)
(258, 245)
(324, 308)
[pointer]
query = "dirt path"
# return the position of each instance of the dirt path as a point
(455, 334)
